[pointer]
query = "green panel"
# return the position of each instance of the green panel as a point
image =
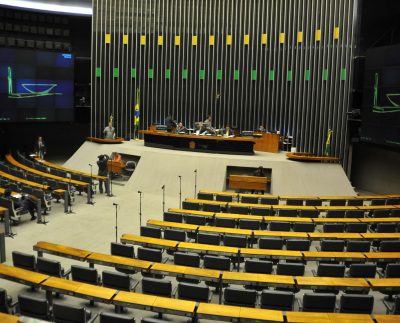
(184, 74)
(254, 75)
(271, 76)
(167, 73)
(219, 75)
(116, 72)
(98, 71)
(343, 74)
(307, 75)
(150, 73)
(325, 74)
(202, 74)
(133, 73)
(236, 75)
(289, 75)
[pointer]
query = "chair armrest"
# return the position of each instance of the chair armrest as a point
(174, 291)
(318, 248)
(14, 307)
(389, 308)
(314, 272)
(93, 318)
(380, 273)
(210, 294)
(299, 304)
(66, 273)
(134, 284)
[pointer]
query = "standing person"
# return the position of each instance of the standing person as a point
(260, 173)
(103, 171)
(40, 147)
(109, 131)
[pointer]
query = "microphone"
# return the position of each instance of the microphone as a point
(162, 187)
(115, 204)
(195, 170)
(179, 176)
(90, 165)
(140, 192)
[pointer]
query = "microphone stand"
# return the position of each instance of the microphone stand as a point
(42, 216)
(140, 207)
(163, 198)
(91, 185)
(110, 174)
(116, 222)
(180, 191)
(70, 196)
(195, 183)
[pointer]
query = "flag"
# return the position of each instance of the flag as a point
(136, 118)
(328, 143)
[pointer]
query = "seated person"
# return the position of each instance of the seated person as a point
(24, 202)
(207, 127)
(227, 132)
(181, 128)
(169, 122)
(261, 129)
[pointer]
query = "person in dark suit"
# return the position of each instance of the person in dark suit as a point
(260, 173)
(40, 147)
(181, 128)
(169, 122)
(24, 202)
(103, 171)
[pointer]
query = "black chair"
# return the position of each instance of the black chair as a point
(298, 202)
(196, 219)
(279, 226)
(235, 241)
(240, 297)
(290, 269)
(391, 271)
(190, 206)
(319, 302)
(239, 209)
(85, 275)
(309, 213)
(249, 199)
(269, 200)
(208, 238)
(338, 202)
(6, 303)
(376, 202)
(335, 214)
(362, 270)
(217, 262)
(303, 227)
(122, 250)
(313, 202)
(216, 208)
(187, 259)
(149, 254)
(63, 313)
(277, 300)
(356, 227)
(395, 309)
(261, 211)
(156, 286)
(249, 224)
(354, 214)
(119, 281)
(224, 198)
(225, 222)
(153, 320)
(355, 202)
(24, 260)
(386, 227)
(173, 217)
(258, 266)
(393, 201)
(50, 267)
(358, 246)
(332, 245)
(34, 307)
(177, 235)
(395, 213)
(194, 292)
(357, 304)
(330, 270)
(333, 227)
(298, 244)
(116, 318)
(205, 196)
(389, 246)
(150, 232)
(288, 212)
(384, 213)
(270, 243)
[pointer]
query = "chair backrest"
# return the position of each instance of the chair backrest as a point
(270, 243)
(249, 199)
(49, 266)
(389, 246)
(279, 226)
(225, 222)
(356, 227)
(235, 241)
(395, 213)
(298, 244)
(309, 213)
(269, 200)
(116, 318)
(355, 202)
(149, 254)
(217, 262)
(224, 198)
(384, 213)
(277, 300)
(313, 202)
(362, 270)
(303, 227)
(258, 266)
(150, 232)
(212, 208)
(338, 202)
(249, 224)
(319, 302)
(208, 238)
(205, 196)
(196, 219)
(378, 202)
(393, 201)
(260, 211)
(186, 259)
(240, 296)
(330, 270)
(290, 269)
(190, 206)
(64, 313)
(239, 209)
(355, 303)
(287, 212)
(358, 246)
(386, 227)
(33, 306)
(172, 234)
(354, 214)
(119, 249)
(332, 245)
(335, 213)
(84, 274)
(4, 301)
(173, 217)
(392, 270)
(333, 227)
(294, 202)
(193, 292)
(156, 286)
(116, 280)
(24, 260)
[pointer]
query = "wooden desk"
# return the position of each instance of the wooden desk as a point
(149, 242)
(219, 193)
(268, 142)
(328, 255)
(244, 278)
(208, 249)
(23, 181)
(382, 256)
(381, 236)
(185, 271)
(117, 140)
(115, 167)
(310, 317)
(334, 208)
(392, 284)
(309, 158)
(333, 283)
(381, 318)
(245, 182)
(61, 250)
(257, 314)
(173, 306)
(134, 300)
(22, 276)
(8, 318)
(59, 285)
(119, 262)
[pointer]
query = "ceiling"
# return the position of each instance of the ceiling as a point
(74, 7)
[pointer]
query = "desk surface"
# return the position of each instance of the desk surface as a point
(309, 317)
(337, 282)
(61, 250)
(117, 140)
(22, 275)
(8, 318)
(234, 277)
(150, 241)
(104, 259)
(381, 318)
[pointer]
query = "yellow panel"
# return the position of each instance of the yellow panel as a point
(194, 40)
(299, 36)
(143, 40)
(177, 40)
(246, 39)
(160, 40)
(264, 39)
(108, 38)
(318, 35)
(229, 40)
(125, 39)
(212, 40)
(336, 33)
(282, 38)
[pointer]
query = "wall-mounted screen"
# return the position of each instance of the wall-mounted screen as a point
(36, 85)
